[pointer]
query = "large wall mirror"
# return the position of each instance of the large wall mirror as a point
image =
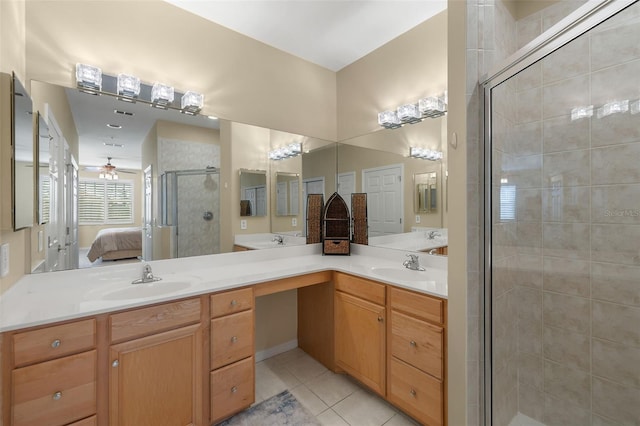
(23, 174)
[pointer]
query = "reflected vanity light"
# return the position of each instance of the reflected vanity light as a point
(161, 95)
(192, 102)
(88, 78)
(291, 150)
(581, 112)
(613, 108)
(635, 107)
(425, 154)
(128, 87)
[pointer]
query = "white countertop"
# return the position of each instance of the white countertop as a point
(417, 240)
(38, 299)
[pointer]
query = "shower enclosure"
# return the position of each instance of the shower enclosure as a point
(562, 226)
(190, 203)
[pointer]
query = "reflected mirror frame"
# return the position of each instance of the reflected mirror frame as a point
(246, 208)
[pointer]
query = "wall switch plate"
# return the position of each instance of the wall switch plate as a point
(417, 218)
(294, 221)
(243, 224)
(4, 260)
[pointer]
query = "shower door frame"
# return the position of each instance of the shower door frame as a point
(576, 24)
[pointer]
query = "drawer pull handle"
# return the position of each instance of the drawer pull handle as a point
(234, 389)
(233, 302)
(234, 339)
(413, 392)
(57, 396)
(56, 344)
(115, 363)
(413, 343)
(380, 319)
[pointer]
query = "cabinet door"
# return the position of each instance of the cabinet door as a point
(156, 380)
(360, 340)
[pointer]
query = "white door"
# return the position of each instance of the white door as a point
(346, 187)
(147, 224)
(281, 199)
(385, 205)
(294, 197)
(51, 228)
(310, 186)
(261, 201)
(71, 212)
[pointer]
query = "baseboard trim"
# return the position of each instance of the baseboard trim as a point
(276, 350)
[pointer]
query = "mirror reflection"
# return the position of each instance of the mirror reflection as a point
(287, 194)
(253, 192)
(425, 192)
(23, 154)
(42, 177)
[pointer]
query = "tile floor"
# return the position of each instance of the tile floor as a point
(335, 399)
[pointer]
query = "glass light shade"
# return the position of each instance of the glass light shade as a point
(288, 151)
(635, 107)
(192, 102)
(425, 154)
(388, 119)
(102, 176)
(115, 176)
(581, 112)
(161, 94)
(128, 85)
(432, 107)
(613, 108)
(409, 113)
(88, 77)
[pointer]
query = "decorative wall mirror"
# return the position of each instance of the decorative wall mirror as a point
(253, 192)
(23, 175)
(426, 192)
(287, 194)
(43, 180)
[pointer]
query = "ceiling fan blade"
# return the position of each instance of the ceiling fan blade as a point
(126, 171)
(93, 168)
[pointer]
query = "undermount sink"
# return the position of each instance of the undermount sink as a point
(140, 291)
(400, 273)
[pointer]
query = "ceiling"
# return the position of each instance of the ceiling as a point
(330, 33)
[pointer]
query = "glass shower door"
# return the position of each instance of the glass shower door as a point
(565, 233)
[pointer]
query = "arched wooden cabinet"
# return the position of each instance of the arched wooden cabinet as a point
(336, 231)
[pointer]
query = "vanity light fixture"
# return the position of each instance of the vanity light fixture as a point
(581, 112)
(409, 114)
(291, 150)
(128, 87)
(389, 120)
(88, 78)
(613, 108)
(192, 102)
(635, 107)
(432, 107)
(161, 95)
(425, 154)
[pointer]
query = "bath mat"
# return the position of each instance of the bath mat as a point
(280, 410)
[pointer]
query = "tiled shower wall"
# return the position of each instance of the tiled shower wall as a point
(567, 258)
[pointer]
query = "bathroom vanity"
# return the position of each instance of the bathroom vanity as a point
(186, 357)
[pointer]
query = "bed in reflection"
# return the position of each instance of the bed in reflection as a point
(116, 243)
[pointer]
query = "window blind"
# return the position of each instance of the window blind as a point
(105, 202)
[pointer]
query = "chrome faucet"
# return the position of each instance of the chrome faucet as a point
(413, 263)
(147, 275)
(433, 234)
(278, 239)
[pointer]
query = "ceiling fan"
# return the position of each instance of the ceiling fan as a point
(107, 171)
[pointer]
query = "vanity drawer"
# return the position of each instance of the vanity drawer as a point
(232, 389)
(419, 394)
(360, 287)
(145, 321)
(231, 338)
(91, 421)
(53, 342)
(231, 302)
(417, 343)
(55, 392)
(416, 304)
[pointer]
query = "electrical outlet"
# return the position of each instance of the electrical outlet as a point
(294, 221)
(243, 224)
(417, 218)
(4, 260)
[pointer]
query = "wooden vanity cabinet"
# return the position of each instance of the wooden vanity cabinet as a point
(53, 375)
(359, 321)
(232, 387)
(156, 365)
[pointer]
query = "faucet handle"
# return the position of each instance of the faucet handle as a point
(413, 257)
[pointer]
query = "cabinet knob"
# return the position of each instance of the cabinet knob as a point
(380, 319)
(234, 339)
(233, 302)
(413, 343)
(413, 392)
(234, 389)
(56, 343)
(115, 363)
(57, 396)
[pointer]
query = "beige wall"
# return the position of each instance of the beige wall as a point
(87, 233)
(276, 319)
(408, 68)
(243, 80)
